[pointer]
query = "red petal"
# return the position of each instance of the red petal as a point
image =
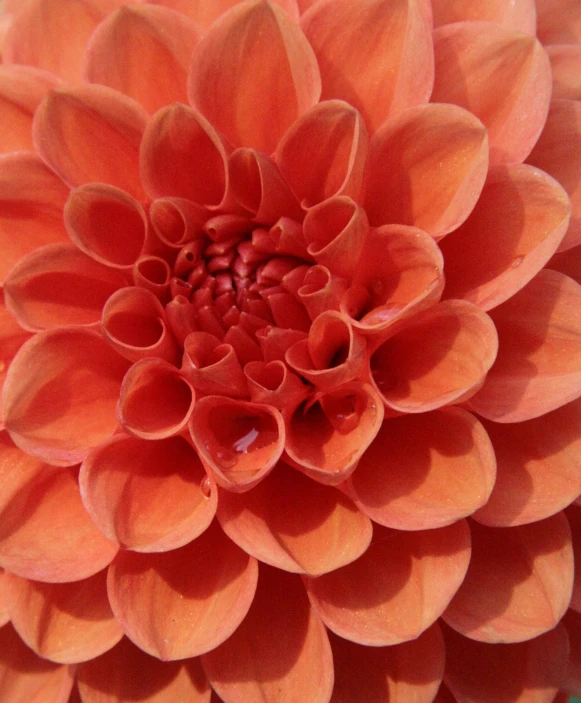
(253, 74)
(212, 367)
(519, 15)
(206, 12)
(559, 21)
(572, 622)
(60, 394)
(280, 652)
(273, 383)
(518, 583)
(189, 610)
(397, 589)
(565, 65)
(176, 221)
(573, 514)
(4, 615)
(568, 262)
(154, 274)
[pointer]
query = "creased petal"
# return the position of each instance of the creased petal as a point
(212, 367)
(519, 15)
(205, 12)
(273, 383)
(565, 65)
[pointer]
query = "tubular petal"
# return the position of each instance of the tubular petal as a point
(518, 15)
(538, 368)
(294, 524)
(518, 584)
(60, 394)
(172, 612)
(320, 290)
(376, 55)
(426, 168)
(143, 51)
(45, 532)
(148, 496)
(565, 64)
(253, 74)
(559, 21)
(404, 673)
(154, 274)
(205, 12)
(280, 653)
(273, 383)
(64, 622)
(212, 367)
(176, 221)
(573, 514)
(538, 467)
(528, 672)
(472, 60)
(382, 598)
(515, 228)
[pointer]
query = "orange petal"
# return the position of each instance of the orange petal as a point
(280, 652)
(64, 622)
(425, 471)
(518, 583)
(375, 55)
(212, 367)
(238, 442)
(568, 262)
(538, 367)
(253, 74)
(91, 133)
(426, 168)
(439, 358)
(205, 12)
(46, 533)
(319, 290)
(516, 226)
(323, 153)
(565, 65)
(60, 394)
(148, 496)
(12, 337)
(154, 274)
(4, 615)
(176, 221)
(397, 589)
(472, 60)
(572, 623)
(402, 673)
(573, 514)
(506, 673)
(518, 15)
(273, 383)
(189, 611)
(559, 21)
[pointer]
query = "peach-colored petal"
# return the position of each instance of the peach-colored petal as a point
(143, 51)
(566, 67)
(381, 599)
(212, 367)
(45, 532)
(518, 15)
(148, 496)
(518, 584)
(376, 55)
(253, 74)
(439, 358)
(60, 394)
(70, 118)
(559, 21)
(58, 286)
(426, 168)
(527, 672)
(472, 60)
(518, 223)
(238, 442)
(410, 672)
(425, 471)
(125, 673)
(173, 612)
(280, 653)
(323, 153)
(12, 337)
(294, 524)
(538, 367)
(205, 12)
(538, 467)
(31, 208)
(64, 622)
(573, 514)
(273, 383)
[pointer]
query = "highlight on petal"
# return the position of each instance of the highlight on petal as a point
(238, 442)
(472, 60)
(441, 357)
(538, 367)
(425, 471)
(426, 168)
(565, 62)
(518, 584)
(559, 21)
(519, 15)
(380, 599)
(60, 394)
(148, 496)
(69, 119)
(206, 12)
(189, 610)
(376, 55)
(518, 223)
(212, 367)
(253, 74)
(64, 622)
(143, 51)
(280, 652)
(294, 524)
(45, 532)
(411, 671)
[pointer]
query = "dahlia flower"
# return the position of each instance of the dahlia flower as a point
(291, 351)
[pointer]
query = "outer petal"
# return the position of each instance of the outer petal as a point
(12, 337)
(205, 12)
(573, 514)
(559, 21)
(572, 623)
(518, 583)
(280, 653)
(565, 64)
(4, 615)
(568, 262)
(519, 15)
(253, 74)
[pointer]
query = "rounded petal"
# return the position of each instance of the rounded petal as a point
(206, 12)
(212, 367)
(12, 337)
(273, 383)
(573, 514)
(565, 65)
(4, 615)
(519, 15)
(568, 262)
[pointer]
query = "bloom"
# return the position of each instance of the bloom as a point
(291, 336)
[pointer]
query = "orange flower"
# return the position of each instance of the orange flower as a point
(291, 344)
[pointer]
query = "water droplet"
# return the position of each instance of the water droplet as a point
(206, 487)
(517, 262)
